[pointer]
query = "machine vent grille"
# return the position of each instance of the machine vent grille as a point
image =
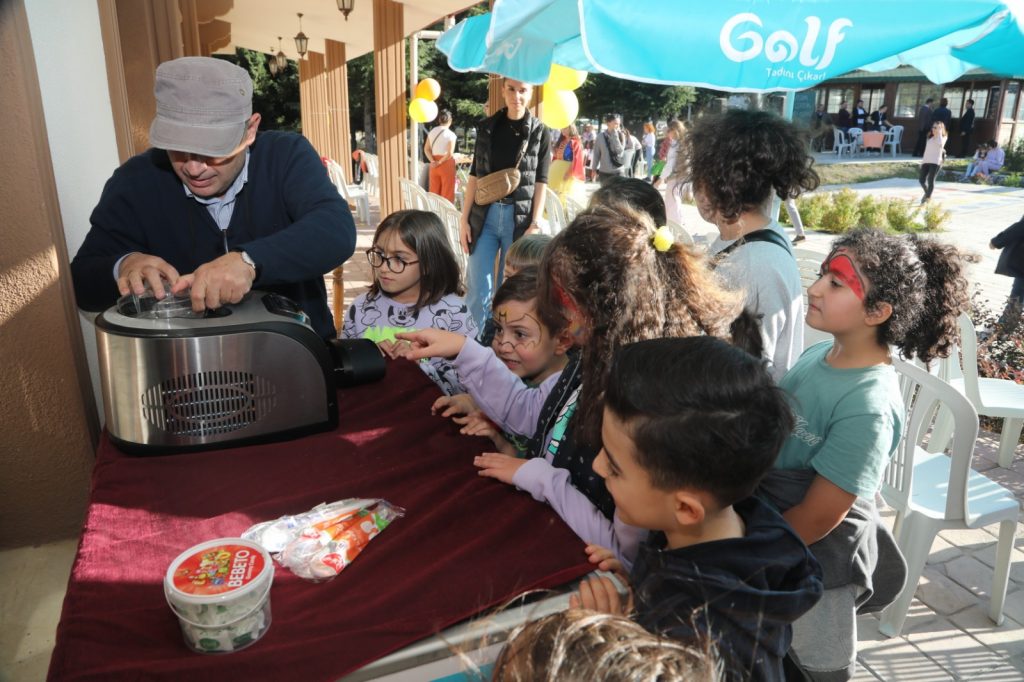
(208, 403)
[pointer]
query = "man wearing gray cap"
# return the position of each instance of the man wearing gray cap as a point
(214, 207)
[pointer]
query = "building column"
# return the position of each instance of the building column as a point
(390, 100)
(340, 147)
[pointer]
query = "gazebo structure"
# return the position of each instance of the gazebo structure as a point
(76, 95)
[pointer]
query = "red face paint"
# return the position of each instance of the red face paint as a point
(841, 267)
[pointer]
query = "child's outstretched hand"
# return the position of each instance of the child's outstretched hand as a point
(600, 593)
(454, 405)
(605, 560)
(495, 465)
(431, 343)
(477, 424)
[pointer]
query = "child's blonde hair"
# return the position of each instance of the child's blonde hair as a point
(583, 646)
(526, 251)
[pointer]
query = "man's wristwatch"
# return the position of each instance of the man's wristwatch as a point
(250, 262)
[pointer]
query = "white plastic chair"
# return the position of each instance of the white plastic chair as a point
(894, 140)
(554, 212)
(856, 136)
(841, 143)
(437, 203)
(372, 176)
(572, 208)
(451, 217)
(352, 194)
(990, 397)
(809, 265)
(932, 491)
(405, 190)
(679, 233)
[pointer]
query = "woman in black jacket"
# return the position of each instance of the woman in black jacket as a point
(1011, 264)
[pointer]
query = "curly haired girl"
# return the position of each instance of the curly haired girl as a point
(737, 162)
(876, 291)
(615, 283)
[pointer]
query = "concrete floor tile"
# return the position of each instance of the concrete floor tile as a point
(1014, 606)
(942, 551)
(1004, 673)
(31, 597)
(987, 556)
(969, 539)
(898, 659)
(972, 574)
(942, 594)
(1006, 639)
(1008, 478)
(959, 654)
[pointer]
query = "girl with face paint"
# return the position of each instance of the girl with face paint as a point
(876, 292)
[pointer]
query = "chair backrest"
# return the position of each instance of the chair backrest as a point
(679, 233)
(438, 203)
(969, 357)
(554, 211)
(572, 208)
(809, 264)
(420, 198)
(451, 217)
(897, 134)
(923, 395)
(371, 165)
(839, 141)
(405, 188)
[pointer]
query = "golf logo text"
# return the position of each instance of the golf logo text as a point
(782, 46)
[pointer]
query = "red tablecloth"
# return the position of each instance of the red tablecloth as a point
(872, 140)
(466, 543)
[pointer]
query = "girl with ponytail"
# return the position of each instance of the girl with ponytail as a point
(615, 279)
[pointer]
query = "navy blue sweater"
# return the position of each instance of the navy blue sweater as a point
(742, 593)
(288, 217)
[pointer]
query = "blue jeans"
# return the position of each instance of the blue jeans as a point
(649, 160)
(495, 238)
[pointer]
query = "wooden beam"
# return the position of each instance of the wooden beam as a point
(390, 100)
(337, 106)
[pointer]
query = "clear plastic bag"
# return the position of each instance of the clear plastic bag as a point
(318, 544)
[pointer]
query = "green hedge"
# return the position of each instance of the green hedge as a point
(842, 211)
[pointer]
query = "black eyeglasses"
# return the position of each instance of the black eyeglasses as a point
(395, 264)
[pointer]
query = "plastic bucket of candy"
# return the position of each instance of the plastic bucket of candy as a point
(220, 592)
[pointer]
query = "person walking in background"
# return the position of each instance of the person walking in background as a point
(966, 129)
(609, 150)
(943, 114)
(633, 152)
(1011, 264)
(587, 138)
(566, 162)
(924, 126)
(675, 173)
(934, 154)
(440, 149)
(648, 142)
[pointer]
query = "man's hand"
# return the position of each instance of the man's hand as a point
(139, 269)
(223, 280)
(496, 465)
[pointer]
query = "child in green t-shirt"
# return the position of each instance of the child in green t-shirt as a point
(876, 292)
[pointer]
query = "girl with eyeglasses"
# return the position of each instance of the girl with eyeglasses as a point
(416, 285)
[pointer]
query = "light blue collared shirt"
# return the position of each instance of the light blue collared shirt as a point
(221, 208)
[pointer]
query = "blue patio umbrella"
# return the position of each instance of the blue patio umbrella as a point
(739, 45)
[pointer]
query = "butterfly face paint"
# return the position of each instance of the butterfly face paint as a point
(840, 266)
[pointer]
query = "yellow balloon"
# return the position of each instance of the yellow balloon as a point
(422, 110)
(560, 107)
(428, 89)
(564, 78)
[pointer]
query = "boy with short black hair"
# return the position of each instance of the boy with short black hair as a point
(690, 426)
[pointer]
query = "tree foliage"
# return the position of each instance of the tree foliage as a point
(275, 98)
(636, 102)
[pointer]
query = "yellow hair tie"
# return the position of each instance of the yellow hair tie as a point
(663, 239)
